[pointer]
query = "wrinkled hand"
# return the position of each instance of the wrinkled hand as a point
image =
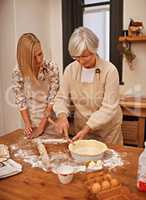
(81, 134)
(62, 126)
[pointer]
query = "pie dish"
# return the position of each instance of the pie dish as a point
(87, 150)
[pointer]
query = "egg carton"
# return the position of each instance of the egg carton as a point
(103, 186)
(120, 193)
(117, 193)
(102, 178)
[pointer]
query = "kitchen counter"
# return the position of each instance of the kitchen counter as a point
(36, 184)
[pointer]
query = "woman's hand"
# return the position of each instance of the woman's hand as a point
(62, 126)
(81, 134)
(27, 122)
(37, 131)
(28, 130)
(33, 132)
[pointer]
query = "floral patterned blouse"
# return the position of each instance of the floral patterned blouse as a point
(22, 88)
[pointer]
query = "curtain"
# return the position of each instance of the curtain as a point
(72, 17)
(116, 26)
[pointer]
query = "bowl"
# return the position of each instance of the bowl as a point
(65, 174)
(87, 150)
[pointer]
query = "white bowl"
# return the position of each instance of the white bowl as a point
(65, 179)
(87, 150)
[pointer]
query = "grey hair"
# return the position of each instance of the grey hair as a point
(82, 39)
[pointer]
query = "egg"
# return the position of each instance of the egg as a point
(114, 182)
(96, 187)
(105, 185)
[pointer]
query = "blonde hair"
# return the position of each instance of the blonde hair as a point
(25, 55)
(82, 39)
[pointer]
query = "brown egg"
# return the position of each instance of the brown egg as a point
(114, 182)
(96, 187)
(105, 185)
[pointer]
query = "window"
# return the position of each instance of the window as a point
(97, 19)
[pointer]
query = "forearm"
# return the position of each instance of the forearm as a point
(47, 114)
(25, 116)
(43, 122)
(62, 99)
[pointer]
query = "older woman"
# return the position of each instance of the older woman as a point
(35, 84)
(92, 86)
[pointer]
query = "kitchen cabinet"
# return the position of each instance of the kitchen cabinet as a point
(134, 129)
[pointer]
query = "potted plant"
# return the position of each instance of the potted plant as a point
(125, 50)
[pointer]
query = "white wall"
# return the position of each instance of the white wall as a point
(8, 116)
(29, 17)
(134, 80)
(43, 18)
(54, 28)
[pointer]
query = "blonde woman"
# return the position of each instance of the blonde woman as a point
(35, 84)
(92, 85)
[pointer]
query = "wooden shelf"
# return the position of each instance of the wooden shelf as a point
(141, 38)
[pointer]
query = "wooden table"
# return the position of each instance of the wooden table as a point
(136, 107)
(36, 184)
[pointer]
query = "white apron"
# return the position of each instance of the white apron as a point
(37, 103)
(87, 98)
